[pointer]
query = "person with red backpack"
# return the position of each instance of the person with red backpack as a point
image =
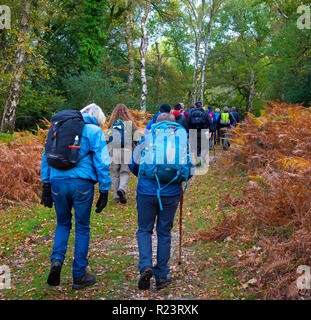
(217, 126)
(180, 116)
(212, 116)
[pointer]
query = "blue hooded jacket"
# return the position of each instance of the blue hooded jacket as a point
(151, 122)
(94, 167)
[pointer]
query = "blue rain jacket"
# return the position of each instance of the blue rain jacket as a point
(94, 167)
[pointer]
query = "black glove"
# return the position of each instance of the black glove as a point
(46, 198)
(102, 202)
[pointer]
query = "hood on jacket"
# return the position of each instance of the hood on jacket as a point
(88, 119)
(156, 117)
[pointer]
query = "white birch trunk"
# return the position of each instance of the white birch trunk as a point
(130, 50)
(143, 50)
(251, 92)
(9, 113)
(195, 71)
(206, 48)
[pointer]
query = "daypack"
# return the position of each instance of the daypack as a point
(236, 116)
(217, 115)
(64, 139)
(166, 156)
(225, 118)
(118, 135)
(197, 119)
(211, 115)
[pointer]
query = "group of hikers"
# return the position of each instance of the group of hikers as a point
(77, 155)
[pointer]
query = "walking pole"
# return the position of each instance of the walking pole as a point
(214, 148)
(180, 222)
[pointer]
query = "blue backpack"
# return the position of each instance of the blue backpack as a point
(166, 155)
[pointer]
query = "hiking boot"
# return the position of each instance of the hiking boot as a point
(144, 280)
(54, 275)
(163, 282)
(122, 195)
(84, 281)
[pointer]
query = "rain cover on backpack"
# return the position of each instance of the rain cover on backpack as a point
(166, 157)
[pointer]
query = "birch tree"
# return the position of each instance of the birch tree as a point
(129, 42)
(196, 23)
(9, 113)
(143, 50)
(213, 9)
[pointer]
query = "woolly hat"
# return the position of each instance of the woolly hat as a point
(199, 104)
(165, 108)
(179, 106)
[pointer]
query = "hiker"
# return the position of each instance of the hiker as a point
(225, 122)
(216, 126)
(121, 131)
(180, 107)
(180, 116)
(199, 119)
(74, 188)
(165, 108)
(153, 203)
(212, 116)
(235, 115)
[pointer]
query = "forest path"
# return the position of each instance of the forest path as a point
(206, 271)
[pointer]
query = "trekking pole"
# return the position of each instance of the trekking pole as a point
(180, 223)
(214, 148)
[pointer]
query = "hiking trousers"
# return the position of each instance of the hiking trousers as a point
(119, 170)
(148, 210)
(77, 194)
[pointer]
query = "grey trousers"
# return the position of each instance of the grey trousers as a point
(120, 171)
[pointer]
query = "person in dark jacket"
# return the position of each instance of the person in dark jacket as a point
(165, 108)
(235, 115)
(74, 189)
(225, 122)
(200, 121)
(148, 210)
(217, 126)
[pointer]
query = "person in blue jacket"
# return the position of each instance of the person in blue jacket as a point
(148, 209)
(74, 188)
(165, 108)
(216, 126)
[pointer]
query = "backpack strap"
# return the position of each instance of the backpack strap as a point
(90, 152)
(160, 189)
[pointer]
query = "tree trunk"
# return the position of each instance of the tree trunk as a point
(251, 92)
(206, 48)
(195, 71)
(158, 80)
(130, 50)
(142, 51)
(9, 113)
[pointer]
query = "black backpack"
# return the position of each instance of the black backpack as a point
(64, 139)
(118, 135)
(197, 119)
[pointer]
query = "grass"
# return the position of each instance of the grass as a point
(26, 240)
